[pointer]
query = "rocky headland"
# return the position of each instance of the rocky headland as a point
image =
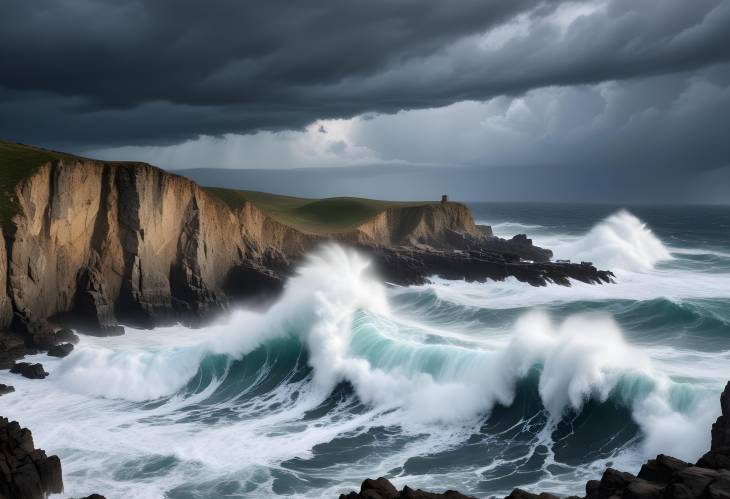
(664, 477)
(91, 245)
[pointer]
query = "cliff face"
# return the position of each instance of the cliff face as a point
(94, 243)
(436, 225)
(102, 241)
(6, 309)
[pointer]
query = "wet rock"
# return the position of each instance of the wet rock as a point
(5, 389)
(378, 489)
(696, 479)
(38, 333)
(26, 472)
(719, 455)
(31, 371)
(383, 489)
(66, 335)
(415, 266)
(94, 496)
(661, 469)
(641, 489)
(61, 350)
(523, 494)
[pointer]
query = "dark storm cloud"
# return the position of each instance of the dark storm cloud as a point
(115, 72)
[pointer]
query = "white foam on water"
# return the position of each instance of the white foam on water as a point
(91, 411)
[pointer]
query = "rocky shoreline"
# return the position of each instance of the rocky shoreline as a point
(664, 477)
(97, 244)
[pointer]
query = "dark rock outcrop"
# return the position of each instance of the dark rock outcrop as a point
(31, 371)
(25, 472)
(61, 350)
(383, 489)
(415, 266)
(94, 496)
(5, 389)
(66, 335)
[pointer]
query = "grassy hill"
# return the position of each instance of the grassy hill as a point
(311, 215)
(340, 214)
(17, 161)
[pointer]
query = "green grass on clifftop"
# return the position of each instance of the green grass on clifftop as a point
(17, 161)
(316, 216)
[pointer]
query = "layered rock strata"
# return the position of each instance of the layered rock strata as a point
(95, 244)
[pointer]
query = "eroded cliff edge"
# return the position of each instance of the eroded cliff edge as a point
(97, 243)
(92, 244)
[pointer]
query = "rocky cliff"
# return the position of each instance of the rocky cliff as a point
(97, 242)
(92, 244)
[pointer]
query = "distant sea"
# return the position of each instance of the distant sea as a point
(476, 387)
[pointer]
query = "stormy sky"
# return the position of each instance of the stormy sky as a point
(615, 100)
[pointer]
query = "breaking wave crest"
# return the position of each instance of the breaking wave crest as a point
(619, 242)
(336, 315)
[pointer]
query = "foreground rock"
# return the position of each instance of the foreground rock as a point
(383, 489)
(31, 371)
(5, 389)
(61, 350)
(25, 472)
(664, 477)
(667, 477)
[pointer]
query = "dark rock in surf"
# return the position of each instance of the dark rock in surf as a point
(66, 335)
(383, 489)
(5, 389)
(94, 496)
(61, 350)
(31, 371)
(661, 469)
(415, 266)
(26, 472)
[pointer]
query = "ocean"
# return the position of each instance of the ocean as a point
(475, 387)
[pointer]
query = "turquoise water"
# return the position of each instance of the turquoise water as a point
(479, 387)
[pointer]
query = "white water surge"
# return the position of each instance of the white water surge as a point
(141, 398)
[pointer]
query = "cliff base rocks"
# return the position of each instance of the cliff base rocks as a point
(30, 371)
(25, 472)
